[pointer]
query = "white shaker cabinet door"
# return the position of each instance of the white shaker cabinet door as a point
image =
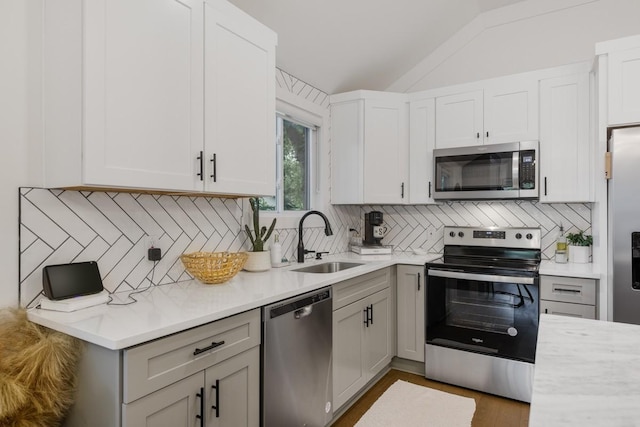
(143, 82)
(385, 151)
(459, 120)
(624, 87)
(565, 147)
(422, 136)
(511, 111)
(239, 102)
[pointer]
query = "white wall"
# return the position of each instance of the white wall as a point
(527, 36)
(15, 132)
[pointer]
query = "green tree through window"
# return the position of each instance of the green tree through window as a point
(293, 174)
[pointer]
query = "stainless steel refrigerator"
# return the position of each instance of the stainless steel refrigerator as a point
(624, 223)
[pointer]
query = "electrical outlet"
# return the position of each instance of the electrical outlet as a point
(151, 241)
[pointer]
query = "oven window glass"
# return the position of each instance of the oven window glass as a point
(484, 306)
(481, 172)
(489, 317)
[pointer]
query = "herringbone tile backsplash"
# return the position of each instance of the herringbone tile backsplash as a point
(115, 229)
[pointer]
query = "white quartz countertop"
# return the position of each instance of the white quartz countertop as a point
(587, 373)
(570, 269)
(167, 309)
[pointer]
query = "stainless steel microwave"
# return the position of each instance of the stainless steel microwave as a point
(499, 171)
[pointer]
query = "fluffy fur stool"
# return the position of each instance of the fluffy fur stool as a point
(37, 372)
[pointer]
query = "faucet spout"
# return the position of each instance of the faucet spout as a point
(327, 231)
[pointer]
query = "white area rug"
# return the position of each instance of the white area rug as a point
(408, 405)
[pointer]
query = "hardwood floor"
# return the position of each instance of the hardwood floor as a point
(491, 411)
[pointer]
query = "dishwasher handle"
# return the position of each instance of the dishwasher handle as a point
(303, 312)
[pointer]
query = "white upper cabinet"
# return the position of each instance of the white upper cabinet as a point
(239, 102)
(369, 148)
(511, 110)
(565, 147)
(132, 91)
(422, 136)
(459, 120)
(504, 110)
(624, 87)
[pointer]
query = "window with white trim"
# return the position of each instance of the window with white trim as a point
(295, 141)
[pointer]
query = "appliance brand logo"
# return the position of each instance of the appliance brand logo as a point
(477, 340)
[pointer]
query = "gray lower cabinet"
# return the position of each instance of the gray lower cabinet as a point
(411, 303)
(231, 392)
(363, 332)
(205, 376)
(568, 296)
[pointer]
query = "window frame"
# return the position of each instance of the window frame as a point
(311, 155)
(304, 110)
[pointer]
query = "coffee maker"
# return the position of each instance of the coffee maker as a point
(373, 229)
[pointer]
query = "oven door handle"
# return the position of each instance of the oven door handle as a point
(481, 277)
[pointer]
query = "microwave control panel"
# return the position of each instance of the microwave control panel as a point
(528, 170)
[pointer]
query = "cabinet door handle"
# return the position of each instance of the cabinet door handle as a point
(478, 135)
(217, 405)
(418, 282)
(366, 316)
(371, 314)
(213, 345)
(545, 185)
(487, 134)
(402, 191)
(546, 311)
(201, 173)
(429, 189)
(571, 291)
(200, 416)
(213, 160)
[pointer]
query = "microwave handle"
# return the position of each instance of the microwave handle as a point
(516, 167)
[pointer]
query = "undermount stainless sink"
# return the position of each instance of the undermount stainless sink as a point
(328, 267)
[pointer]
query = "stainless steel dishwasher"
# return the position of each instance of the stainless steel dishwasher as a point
(297, 383)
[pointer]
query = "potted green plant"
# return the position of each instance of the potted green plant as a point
(259, 259)
(579, 247)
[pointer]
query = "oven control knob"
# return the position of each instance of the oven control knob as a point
(529, 236)
(460, 234)
(452, 234)
(518, 236)
(512, 331)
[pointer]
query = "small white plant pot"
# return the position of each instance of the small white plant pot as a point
(580, 254)
(258, 261)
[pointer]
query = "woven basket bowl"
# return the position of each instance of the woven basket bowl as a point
(214, 267)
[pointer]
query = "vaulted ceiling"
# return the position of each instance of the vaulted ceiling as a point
(342, 45)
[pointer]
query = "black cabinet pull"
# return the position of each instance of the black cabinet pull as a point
(366, 316)
(418, 282)
(371, 314)
(213, 160)
(201, 173)
(402, 191)
(217, 405)
(545, 185)
(478, 135)
(201, 415)
(487, 134)
(429, 189)
(213, 345)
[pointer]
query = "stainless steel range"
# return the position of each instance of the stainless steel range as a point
(482, 310)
